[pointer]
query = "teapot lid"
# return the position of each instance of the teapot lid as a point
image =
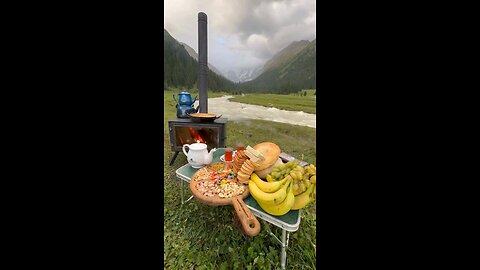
(197, 146)
(184, 92)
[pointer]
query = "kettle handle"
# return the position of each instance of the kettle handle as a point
(183, 148)
(194, 100)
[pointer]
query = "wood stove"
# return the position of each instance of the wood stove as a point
(184, 131)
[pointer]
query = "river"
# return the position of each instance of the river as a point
(236, 111)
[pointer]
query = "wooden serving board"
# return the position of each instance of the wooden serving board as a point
(249, 222)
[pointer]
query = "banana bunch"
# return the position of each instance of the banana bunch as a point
(276, 198)
(295, 191)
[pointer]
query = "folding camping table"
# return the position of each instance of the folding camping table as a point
(289, 222)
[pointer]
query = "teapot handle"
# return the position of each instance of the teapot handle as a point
(183, 148)
(194, 100)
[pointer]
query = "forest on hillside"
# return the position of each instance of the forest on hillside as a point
(181, 70)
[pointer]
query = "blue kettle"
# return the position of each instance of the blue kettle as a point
(185, 104)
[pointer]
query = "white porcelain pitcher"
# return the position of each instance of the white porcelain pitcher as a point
(198, 155)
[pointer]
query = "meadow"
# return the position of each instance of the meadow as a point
(198, 236)
(292, 102)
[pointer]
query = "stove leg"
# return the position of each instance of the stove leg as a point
(173, 158)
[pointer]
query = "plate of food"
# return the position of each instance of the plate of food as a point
(222, 158)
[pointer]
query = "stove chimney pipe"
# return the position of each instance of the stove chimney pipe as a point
(202, 62)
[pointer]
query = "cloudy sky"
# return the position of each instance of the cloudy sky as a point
(242, 33)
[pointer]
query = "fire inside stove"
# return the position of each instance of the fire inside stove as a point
(196, 136)
(189, 135)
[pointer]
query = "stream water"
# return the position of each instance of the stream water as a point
(240, 111)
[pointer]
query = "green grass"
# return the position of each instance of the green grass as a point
(285, 102)
(198, 236)
(310, 92)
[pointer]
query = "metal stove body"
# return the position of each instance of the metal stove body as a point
(184, 131)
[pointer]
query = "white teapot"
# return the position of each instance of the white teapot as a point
(198, 155)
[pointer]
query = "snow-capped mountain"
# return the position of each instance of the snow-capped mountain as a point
(244, 74)
(232, 76)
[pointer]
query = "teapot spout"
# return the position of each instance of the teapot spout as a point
(209, 158)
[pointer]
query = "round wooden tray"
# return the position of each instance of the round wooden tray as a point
(201, 175)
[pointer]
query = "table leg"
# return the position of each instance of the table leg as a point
(284, 244)
(181, 189)
(283, 254)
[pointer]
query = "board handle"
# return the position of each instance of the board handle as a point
(249, 222)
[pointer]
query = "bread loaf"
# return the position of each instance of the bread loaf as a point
(270, 152)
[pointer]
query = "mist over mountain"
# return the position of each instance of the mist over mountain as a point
(232, 76)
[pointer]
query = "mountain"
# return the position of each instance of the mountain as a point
(290, 70)
(194, 54)
(249, 74)
(244, 74)
(232, 76)
(285, 55)
(181, 70)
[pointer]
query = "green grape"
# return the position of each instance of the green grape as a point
(313, 179)
(293, 175)
(295, 187)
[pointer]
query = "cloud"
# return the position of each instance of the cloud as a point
(242, 33)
